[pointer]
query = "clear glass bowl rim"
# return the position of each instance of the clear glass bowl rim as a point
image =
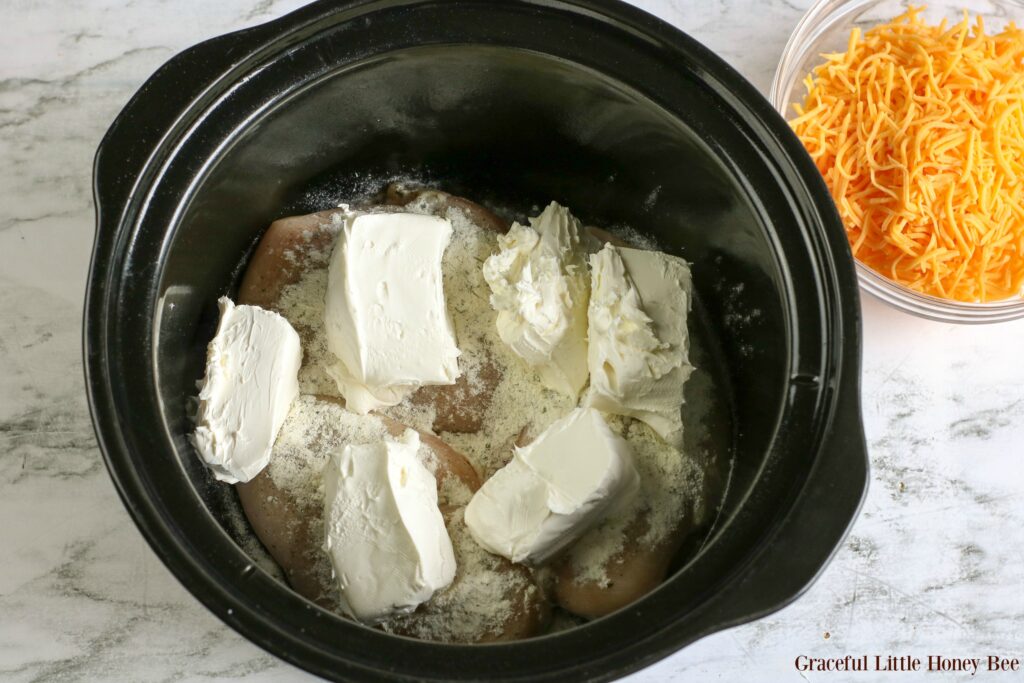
(827, 14)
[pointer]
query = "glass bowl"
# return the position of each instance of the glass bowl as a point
(826, 28)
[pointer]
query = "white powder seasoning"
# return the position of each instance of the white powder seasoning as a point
(302, 303)
(671, 493)
(519, 402)
(672, 482)
(487, 593)
(314, 430)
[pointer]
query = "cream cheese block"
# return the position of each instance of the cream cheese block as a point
(553, 490)
(639, 344)
(539, 288)
(384, 311)
(384, 533)
(252, 367)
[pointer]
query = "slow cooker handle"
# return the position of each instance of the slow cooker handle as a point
(123, 153)
(813, 530)
(185, 78)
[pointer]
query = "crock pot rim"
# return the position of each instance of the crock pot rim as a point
(731, 86)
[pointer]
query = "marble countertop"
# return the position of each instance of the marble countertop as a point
(934, 564)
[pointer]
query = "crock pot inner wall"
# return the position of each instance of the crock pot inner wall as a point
(506, 126)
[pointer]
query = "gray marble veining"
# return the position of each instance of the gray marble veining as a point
(934, 565)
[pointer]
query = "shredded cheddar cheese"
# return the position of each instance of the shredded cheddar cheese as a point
(919, 133)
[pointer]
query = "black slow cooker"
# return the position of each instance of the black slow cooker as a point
(514, 102)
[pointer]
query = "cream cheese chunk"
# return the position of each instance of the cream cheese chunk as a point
(383, 530)
(385, 312)
(252, 367)
(553, 490)
(539, 287)
(638, 354)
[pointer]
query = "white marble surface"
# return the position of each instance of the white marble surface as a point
(934, 565)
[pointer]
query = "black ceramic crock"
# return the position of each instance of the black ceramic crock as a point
(590, 102)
